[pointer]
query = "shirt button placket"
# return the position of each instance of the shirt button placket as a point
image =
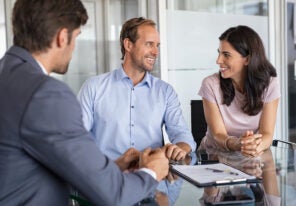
(132, 112)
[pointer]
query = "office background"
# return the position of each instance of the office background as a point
(189, 31)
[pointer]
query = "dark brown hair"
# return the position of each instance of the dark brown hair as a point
(130, 30)
(259, 70)
(35, 22)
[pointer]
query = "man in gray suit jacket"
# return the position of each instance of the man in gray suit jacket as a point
(44, 147)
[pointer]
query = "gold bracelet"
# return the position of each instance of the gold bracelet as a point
(225, 143)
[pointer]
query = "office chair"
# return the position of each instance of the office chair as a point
(198, 121)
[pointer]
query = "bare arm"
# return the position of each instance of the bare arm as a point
(250, 144)
(215, 122)
(254, 146)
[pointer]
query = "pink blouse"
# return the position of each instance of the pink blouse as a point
(235, 120)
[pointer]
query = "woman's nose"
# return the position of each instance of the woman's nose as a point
(219, 59)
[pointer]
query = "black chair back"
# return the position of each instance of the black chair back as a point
(198, 121)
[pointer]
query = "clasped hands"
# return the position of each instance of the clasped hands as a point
(251, 144)
(154, 159)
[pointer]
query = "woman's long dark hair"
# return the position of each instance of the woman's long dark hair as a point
(259, 70)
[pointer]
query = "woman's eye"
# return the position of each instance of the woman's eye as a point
(226, 55)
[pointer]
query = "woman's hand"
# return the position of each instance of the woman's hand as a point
(251, 144)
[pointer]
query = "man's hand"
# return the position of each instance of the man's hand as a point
(171, 177)
(129, 160)
(174, 152)
(156, 161)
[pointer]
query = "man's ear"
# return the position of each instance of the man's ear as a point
(127, 44)
(62, 37)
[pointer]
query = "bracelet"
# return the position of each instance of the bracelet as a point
(225, 143)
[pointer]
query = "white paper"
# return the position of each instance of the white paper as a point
(203, 174)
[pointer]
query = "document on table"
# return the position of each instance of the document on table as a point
(212, 174)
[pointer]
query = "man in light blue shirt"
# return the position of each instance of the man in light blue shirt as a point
(128, 107)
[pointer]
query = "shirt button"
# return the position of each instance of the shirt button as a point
(132, 106)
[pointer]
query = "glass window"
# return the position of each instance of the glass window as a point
(98, 48)
(291, 68)
(246, 7)
(2, 29)
(84, 58)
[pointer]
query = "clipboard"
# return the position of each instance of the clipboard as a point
(212, 175)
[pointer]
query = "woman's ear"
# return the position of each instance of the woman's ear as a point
(247, 60)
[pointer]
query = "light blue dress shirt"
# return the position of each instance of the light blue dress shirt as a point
(120, 115)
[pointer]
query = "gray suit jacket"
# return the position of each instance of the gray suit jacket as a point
(44, 146)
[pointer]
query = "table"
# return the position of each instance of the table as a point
(276, 167)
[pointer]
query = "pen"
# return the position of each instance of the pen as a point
(225, 171)
(204, 162)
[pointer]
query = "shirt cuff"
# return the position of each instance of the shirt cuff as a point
(149, 171)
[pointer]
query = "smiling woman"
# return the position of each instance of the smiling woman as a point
(240, 102)
(232, 64)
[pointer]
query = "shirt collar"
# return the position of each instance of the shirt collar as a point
(120, 74)
(42, 67)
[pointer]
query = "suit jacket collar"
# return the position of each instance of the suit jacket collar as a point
(24, 56)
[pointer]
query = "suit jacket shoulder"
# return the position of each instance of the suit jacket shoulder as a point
(41, 131)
